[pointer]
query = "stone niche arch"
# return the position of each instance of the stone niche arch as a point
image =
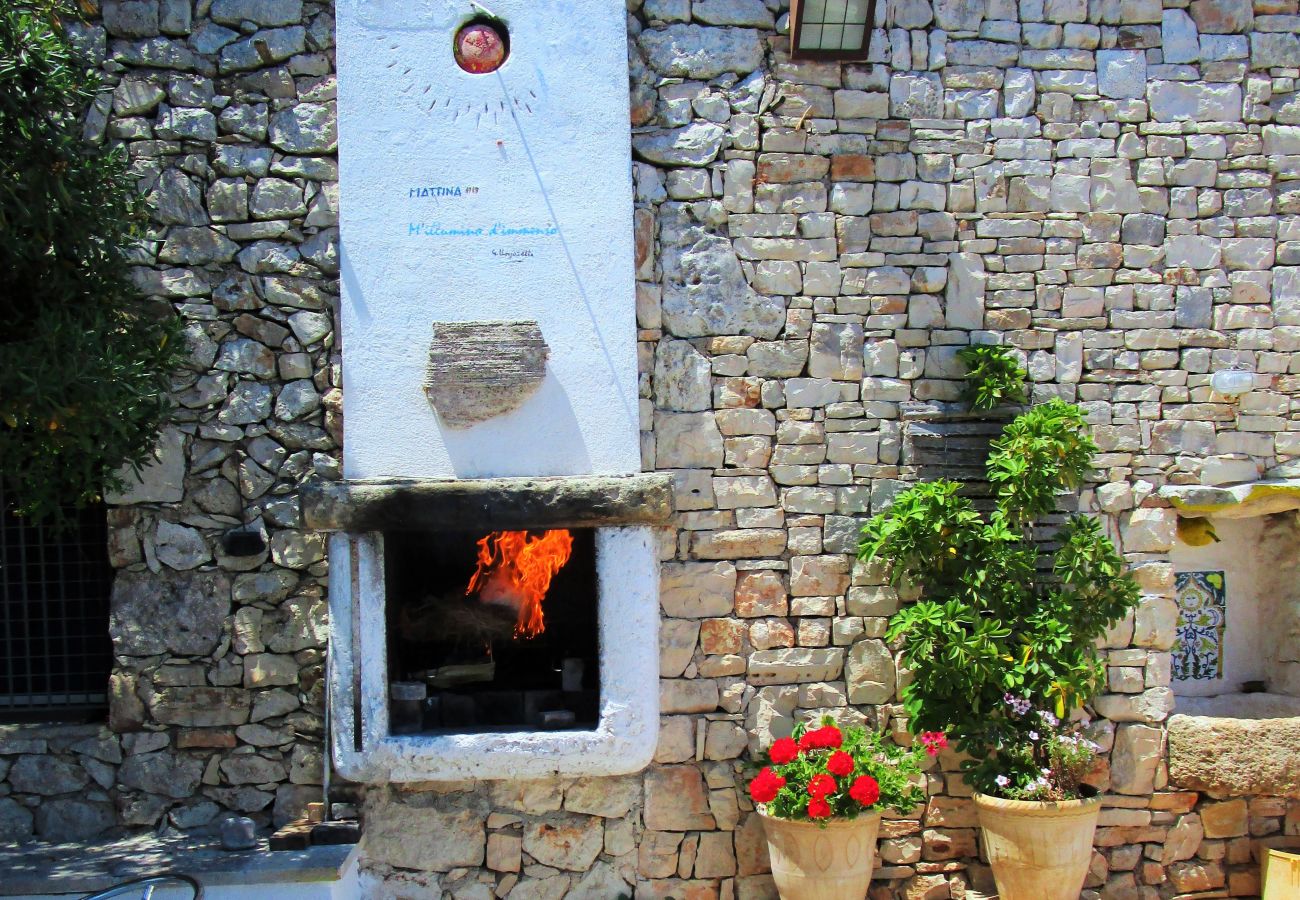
(1236, 724)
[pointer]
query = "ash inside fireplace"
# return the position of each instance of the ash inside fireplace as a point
(492, 631)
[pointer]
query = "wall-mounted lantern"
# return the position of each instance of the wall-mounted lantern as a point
(831, 29)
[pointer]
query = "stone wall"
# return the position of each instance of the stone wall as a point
(226, 112)
(1107, 186)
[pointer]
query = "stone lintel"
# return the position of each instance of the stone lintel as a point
(494, 504)
(1235, 757)
(1238, 501)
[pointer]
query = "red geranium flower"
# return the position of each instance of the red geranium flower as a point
(785, 750)
(865, 790)
(818, 809)
(840, 763)
(765, 786)
(828, 737)
(831, 737)
(821, 785)
(934, 741)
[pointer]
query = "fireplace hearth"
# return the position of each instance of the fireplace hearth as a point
(492, 632)
(494, 628)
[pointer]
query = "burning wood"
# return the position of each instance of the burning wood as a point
(515, 569)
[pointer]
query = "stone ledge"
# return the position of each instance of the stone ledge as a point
(56, 869)
(1237, 501)
(589, 501)
(1235, 757)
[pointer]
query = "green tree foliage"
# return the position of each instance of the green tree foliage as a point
(993, 377)
(994, 621)
(84, 365)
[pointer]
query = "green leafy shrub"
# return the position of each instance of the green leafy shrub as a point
(1001, 648)
(993, 377)
(84, 366)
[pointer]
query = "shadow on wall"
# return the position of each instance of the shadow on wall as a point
(542, 437)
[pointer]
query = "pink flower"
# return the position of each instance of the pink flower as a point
(934, 741)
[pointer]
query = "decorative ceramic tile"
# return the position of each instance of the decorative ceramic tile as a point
(1202, 613)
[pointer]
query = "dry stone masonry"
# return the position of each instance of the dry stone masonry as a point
(1113, 188)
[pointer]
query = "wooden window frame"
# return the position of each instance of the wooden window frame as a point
(848, 54)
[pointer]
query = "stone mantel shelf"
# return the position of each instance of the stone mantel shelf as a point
(1234, 501)
(586, 501)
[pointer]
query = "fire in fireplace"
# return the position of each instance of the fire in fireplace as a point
(492, 632)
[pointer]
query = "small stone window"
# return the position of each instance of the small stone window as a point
(55, 653)
(831, 29)
(1236, 652)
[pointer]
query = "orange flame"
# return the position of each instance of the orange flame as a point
(515, 569)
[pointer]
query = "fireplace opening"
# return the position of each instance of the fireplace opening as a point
(492, 631)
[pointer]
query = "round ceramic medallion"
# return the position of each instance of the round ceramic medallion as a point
(480, 48)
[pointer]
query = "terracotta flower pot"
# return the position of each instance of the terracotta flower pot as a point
(822, 862)
(1039, 850)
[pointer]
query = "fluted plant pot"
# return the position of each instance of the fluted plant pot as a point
(1038, 849)
(831, 860)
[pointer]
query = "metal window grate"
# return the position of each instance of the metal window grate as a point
(55, 652)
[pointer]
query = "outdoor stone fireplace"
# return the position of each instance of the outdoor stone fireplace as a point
(438, 673)
(494, 574)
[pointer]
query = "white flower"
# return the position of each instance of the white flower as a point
(1033, 735)
(1002, 781)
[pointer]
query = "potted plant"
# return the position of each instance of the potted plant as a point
(1001, 646)
(820, 800)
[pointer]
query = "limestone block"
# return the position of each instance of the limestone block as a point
(1149, 531)
(425, 831)
(1177, 101)
(697, 590)
(687, 695)
(1183, 840)
(818, 576)
(564, 841)
(1234, 756)
(687, 440)
(706, 294)
(161, 478)
(836, 350)
(46, 775)
(181, 613)
(1135, 757)
(1178, 37)
(72, 819)
(1274, 49)
(1222, 16)
(693, 51)
(1152, 705)
(1122, 73)
(169, 774)
(677, 639)
(199, 707)
(870, 673)
(964, 296)
(15, 821)
(795, 665)
(915, 96)
(681, 377)
(1226, 819)
(760, 593)
(676, 799)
